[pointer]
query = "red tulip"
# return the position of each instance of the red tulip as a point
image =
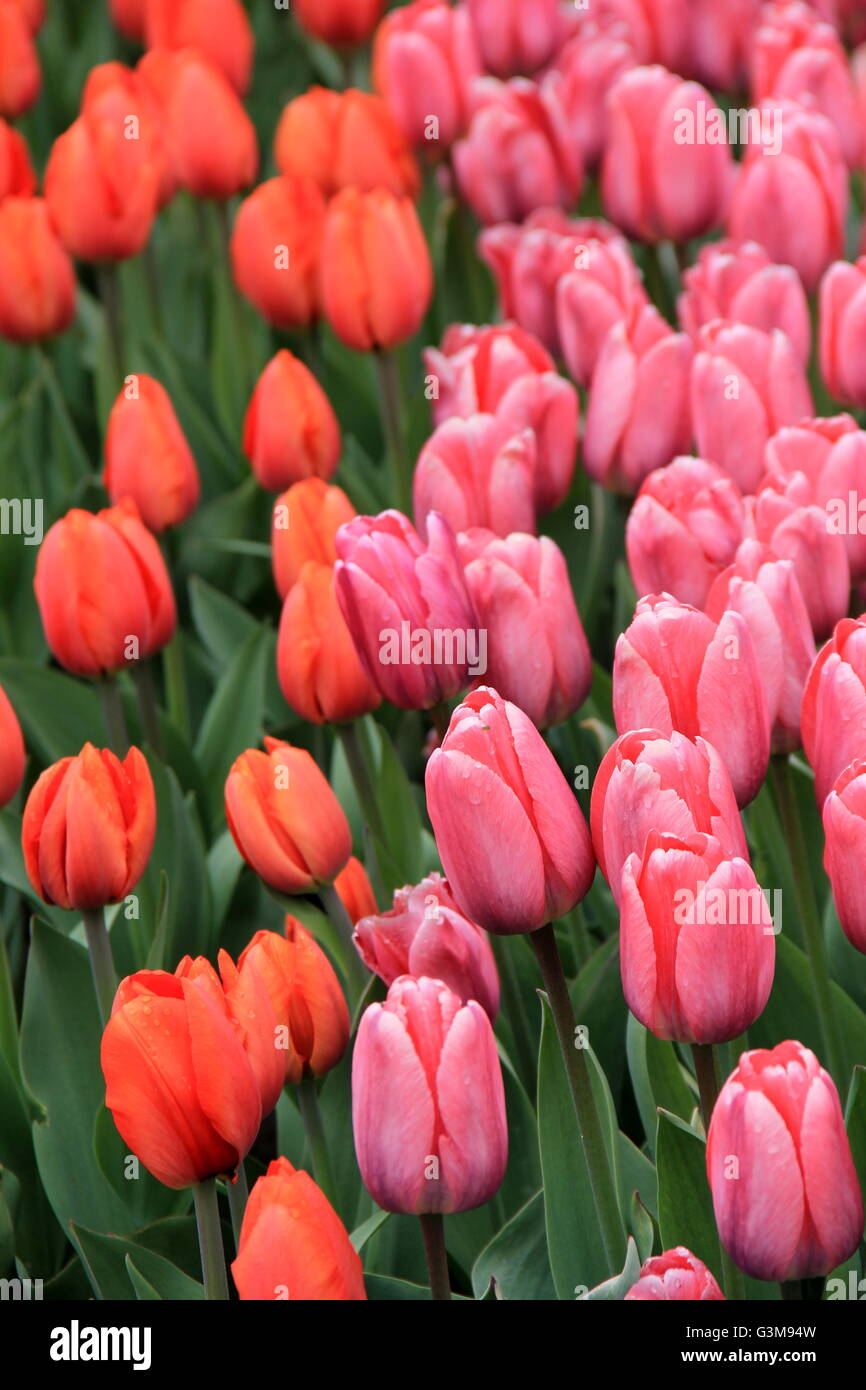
(317, 665)
(290, 429)
(516, 36)
(129, 16)
(738, 281)
(37, 279)
(244, 998)
(339, 22)
(219, 29)
(13, 754)
(275, 250)
(306, 520)
(147, 457)
(425, 60)
(116, 90)
(20, 75)
(674, 1275)
(589, 65)
(17, 178)
(477, 472)
(842, 320)
(783, 517)
(345, 140)
(833, 717)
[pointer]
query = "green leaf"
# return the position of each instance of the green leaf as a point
(368, 1228)
(616, 1288)
(855, 1123)
(233, 719)
(105, 1260)
(657, 1077)
(516, 1258)
(38, 695)
(685, 1202)
(381, 1287)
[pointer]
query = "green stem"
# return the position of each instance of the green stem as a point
(392, 415)
(210, 1240)
(175, 685)
(706, 1062)
(308, 1104)
(61, 409)
(589, 1123)
(146, 692)
(112, 303)
(441, 716)
(237, 1193)
(359, 770)
(112, 713)
(356, 975)
(515, 1011)
(151, 275)
(433, 1231)
(101, 960)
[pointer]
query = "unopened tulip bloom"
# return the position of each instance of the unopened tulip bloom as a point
(305, 522)
(345, 140)
(738, 281)
(103, 590)
(477, 472)
(355, 890)
(684, 528)
(428, 1104)
(275, 249)
(674, 1275)
(516, 36)
(844, 815)
(317, 664)
(589, 65)
(512, 839)
(518, 154)
(244, 997)
(407, 607)
(33, 12)
(674, 668)
(831, 455)
(37, 279)
(219, 29)
(766, 591)
(12, 752)
(129, 16)
(293, 1244)
(117, 92)
(719, 41)
(783, 517)
(658, 30)
(20, 74)
(746, 385)
(290, 429)
(375, 275)
(88, 828)
(284, 818)
(147, 456)
(339, 22)
(425, 60)
(17, 177)
(833, 717)
(642, 362)
(601, 289)
(785, 1191)
(524, 600)
(842, 331)
(673, 784)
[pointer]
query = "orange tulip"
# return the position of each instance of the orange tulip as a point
(37, 279)
(345, 140)
(339, 22)
(88, 828)
(20, 74)
(290, 431)
(143, 119)
(306, 519)
(356, 891)
(129, 17)
(147, 457)
(245, 999)
(33, 12)
(220, 29)
(12, 751)
(17, 178)
(275, 250)
(317, 664)
(103, 590)
(375, 274)
(293, 1244)
(284, 818)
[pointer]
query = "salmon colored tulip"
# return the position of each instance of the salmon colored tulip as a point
(119, 91)
(830, 453)
(13, 754)
(674, 1274)
(147, 456)
(719, 41)
(477, 472)
(355, 890)
(784, 517)
(601, 288)
(833, 716)
(290, 429)
(339, 22)
(658, 30)
(345, 140)
(317, 664)
(425, 60)
(738, 281)
(37, 278)
(844, 817)
(842, 325)
(305, 522)
(20, 74)
(516, 36)
(275, 250)
(588, 66)
(219, 29)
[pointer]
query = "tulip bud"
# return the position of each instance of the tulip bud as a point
(845, 832)
(17, 178)
(842, 324)
(20, 74)
(116, 90)
(275, 250)
(37, 280)
(345, 140)
(425, 60)
(830, 457)
(284, 818)
(375, 275)
(522, 593)
(602, 289)
(738, 281)
(306, 520)
(317, 665)
(245, 1000)
(477, 472)
(720, 41)
(355, 890)
(290, 429)
(510, 834)
(129, 17)
(675, 1275)
(674, 668)
(33, 12)
(658, 30)
(785, 1191)
(782, 517)
(103, 590)
(588, 66)
(516, 36)
(13, 754)
(833, 716)
(675, 785)
(428, 1104)
(293, 1244)
(147, 457)
(339, 22)
(219, 29)
(88, 828)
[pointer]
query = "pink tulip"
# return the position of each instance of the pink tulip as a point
(519, 154)
(721, 41)
(659, 180)
(524, 600)
(782, 517)
(684, 527)
(738, 281)
(13, 755)
(407, 608)
(509, 831)
(674, 668)
(745, 386)
(589, 65)
(425, 933)
(766, 592)
(793, 201)
(658, 30)
(642, 362)
(428, 1104)
(649, 782)
(674, 1274)
(516, 36)
(603, 288)
(425, 60)
(833, 715)
(477, 472)
(785, 1190)
(831, 455)
(842, 331)
(844, 816)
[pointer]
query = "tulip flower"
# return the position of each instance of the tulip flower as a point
(375, 275)
(33, 12)
(103, 590)
(130, 18)
(684, 528)
(355, 890)
(428, 1104)
(676, 785)
(219, 29)
(290, 429)
(719, 41)
(425, 60)
(510, 834)
(588, 66)
(504, 371)
(738, 281)
(13, 754)
(117, 91)
(518, 154)
(844, 823)
(88, 828)
(284, 818)
(658, 30)
(601, 290)
(417, 638)
(745, 386)
(37, 279)
(830, 455)
(626, 437)
(147, 456)
(675, 1275)
(309, 1007)
(345, 140)
(782, 517)
(674, 668)
(17, 177)
(244, 997)
(842, 307)
(317, 665)
(275, 250)
(785, 1191)
(477, 472)
(293, 1244)
(425, 933)
(522, 594)
(339, 22)
(306, 520)
(516, 36)
(20, 75)
(833, 717)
